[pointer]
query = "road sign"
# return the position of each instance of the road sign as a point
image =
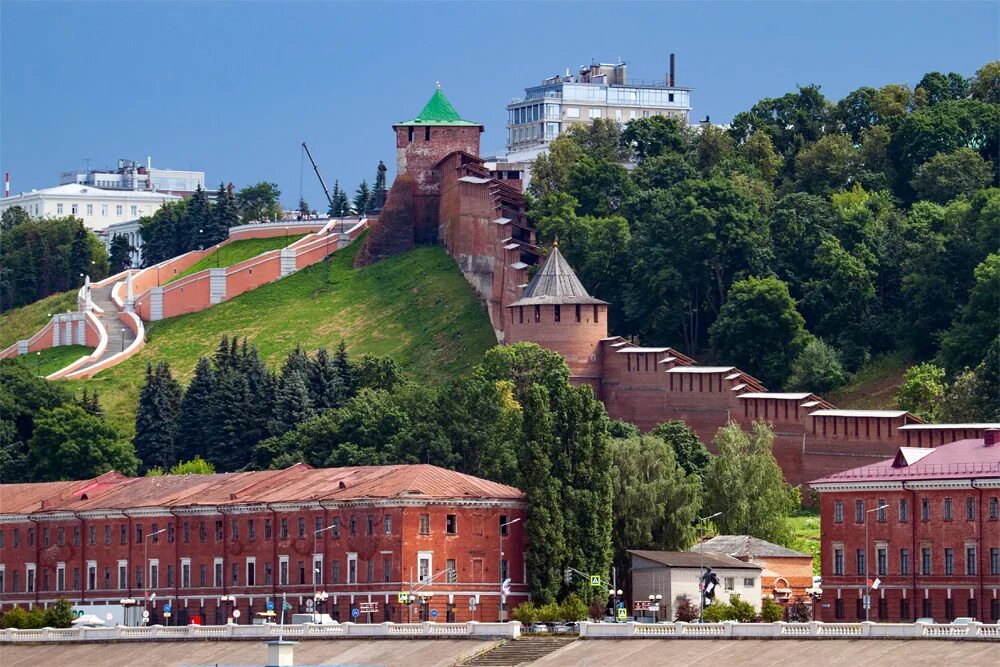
(505, 588)
(145, 613)
(355, 613)
(434, 613)
(287, 606)
(109, 616)
(236, 613)
(402, 598)
(621, 604)
(622, 613)
(368, 607)
(640, 605)
(309, 604)
(595, 580)
(270, 606)
(166, 609)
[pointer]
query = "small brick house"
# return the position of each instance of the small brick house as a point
(787, 574)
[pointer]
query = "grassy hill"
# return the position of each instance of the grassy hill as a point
(53, 359)
(24, 322)
(236, 252)
(416, 308)
(874, 387)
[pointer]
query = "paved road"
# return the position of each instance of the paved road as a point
(592, 653)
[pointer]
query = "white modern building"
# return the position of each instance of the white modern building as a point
(599, 90)
(135, 176)
(130, 230)
(98, 208)
(675, 574)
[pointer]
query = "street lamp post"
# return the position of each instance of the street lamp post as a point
(228, 599)
(500, 568)
(701, 573)
(315, 569)
(145, 575)
(126, 603)
(868, 586)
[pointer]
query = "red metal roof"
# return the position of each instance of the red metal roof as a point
(960, 459)
(299, 483)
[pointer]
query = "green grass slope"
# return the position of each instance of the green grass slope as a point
(24, 322)
(874, 387)
(416, 308)
(53, 359)
(236, 252)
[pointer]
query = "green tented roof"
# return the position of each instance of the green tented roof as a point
(438, 111)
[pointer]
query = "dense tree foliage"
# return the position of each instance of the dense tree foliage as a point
(259, 202)
(196, 223)
(874, 211)
(42, 257)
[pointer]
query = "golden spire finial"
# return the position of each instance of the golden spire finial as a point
(555, 242)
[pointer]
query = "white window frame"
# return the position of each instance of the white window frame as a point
(91, 566)
(134, 210)
(3, 578)
(90, 209)
(429, 557)
(74, 209)
(153, 583)
(30, 582)
(60, 570)
(59, 209)
(572, 112)
(216, 563)
(594, 113)
(122, 581)
(119, 210)
(317, 569)
(251, 560)
(104, 210)
(283, 570)
(352, 572)
(185, 573)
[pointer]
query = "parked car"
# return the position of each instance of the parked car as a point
(963, 620)
(538, 627)
(560, 629)
(928, 621)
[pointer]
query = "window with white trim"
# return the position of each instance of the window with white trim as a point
(424, 566)
(251, 571)
(91, 575)
(60, 576)
(217, 572)
(352, 568)
(317, 573)
(185, 573)
(283, 570)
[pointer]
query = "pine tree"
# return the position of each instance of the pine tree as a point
(546, 551)
(194, 424)
(293, 405)
(197, 223)
(79, 256)
(326, 390)
(363, 198)
(225, 214)
(91, 404)
(339, 205)
(156, 418)
(261, 385)
(222, 359)
(303, 208)
(345, 371)
(120, 253)
(230, 411)
(297, 361)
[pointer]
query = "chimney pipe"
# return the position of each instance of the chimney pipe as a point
(6, 185)
(672, 81)
(991, 436)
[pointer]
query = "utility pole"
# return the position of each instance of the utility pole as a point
(868, 581)
(701, 572)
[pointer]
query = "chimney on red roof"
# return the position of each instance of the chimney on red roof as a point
(990, 436)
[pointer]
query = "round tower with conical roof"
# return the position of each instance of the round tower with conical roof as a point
(556, 312)
(421, 143)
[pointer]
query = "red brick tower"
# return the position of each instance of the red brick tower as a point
(421, 144)
(556, 312)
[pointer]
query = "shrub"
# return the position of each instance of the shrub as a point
(742, 610)
(687, 611)
(525, 613)
(572, 608)
(597, 609)
(59, 615)
(771, 611)
(799, 612)
(818, 368)
(22, 619)
(717, 612)
(549, 613)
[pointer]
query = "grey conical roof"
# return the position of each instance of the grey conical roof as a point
(555, 283)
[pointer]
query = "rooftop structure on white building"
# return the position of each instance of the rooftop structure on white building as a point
(598, 90)
(137, 177)
(96, 207)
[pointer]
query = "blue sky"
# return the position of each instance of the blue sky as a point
(234, 88)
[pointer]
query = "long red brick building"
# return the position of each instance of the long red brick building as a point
(933, 535)
(211, 544)
(445, 194)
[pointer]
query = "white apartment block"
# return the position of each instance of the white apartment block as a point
(98, 208)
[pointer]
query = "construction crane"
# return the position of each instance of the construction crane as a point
(318, 175)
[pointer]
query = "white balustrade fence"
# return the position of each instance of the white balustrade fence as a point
(471, 630)
(781, 630)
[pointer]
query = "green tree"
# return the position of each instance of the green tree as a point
(377, 372)
(339, 205)
(746, 484)
(225, 214)
(156, 418)
(68, 443)
(163, 233)
(293, 404)
(654, 501)
(573, 608)
(120, 254)
(546, 547)
(12, 217)
(194, 421)
(196, 466)
(791, 120)
(712, 146)
(936, 87)
(922, 391)
(363, 198)
(949, 175)
(326, 389)
(771, 611)
(760, 330)
(827, 165)
(303, 208)
(60, 614)
(686, 611)
(259, 202)
(654, 136)
(858, 111)
(977, 326)
(689, 451)
(197, 229)
(600, 186)
(23, 396)
(985, 86)
(759, 151)
(817, 369)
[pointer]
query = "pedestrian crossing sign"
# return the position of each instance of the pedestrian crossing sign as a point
(401, 598)
(595, 580)
(622, 613)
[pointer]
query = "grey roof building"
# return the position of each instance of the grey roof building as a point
(746, 546)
